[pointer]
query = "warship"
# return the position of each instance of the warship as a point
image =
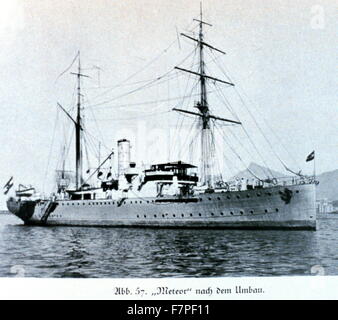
(173, 194)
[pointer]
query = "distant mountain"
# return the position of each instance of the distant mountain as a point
(328, 185)
(259, 171)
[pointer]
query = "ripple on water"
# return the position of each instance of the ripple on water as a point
(113, 252)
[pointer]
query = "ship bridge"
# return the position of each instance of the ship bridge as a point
(170, 171)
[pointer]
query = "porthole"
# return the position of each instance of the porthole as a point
(174, 216)
(209, 199)
(200, 214)
(258, 194)
(241, 212)
(190, 214)
(237, 196)
(228, 197)
(248, 196)
(231, 213)
(182, 215)
(269, 194)
(155, 216)
(212, 213)
(200, 199)
(297, 191)
(147, 201)
(222, 213)
(163, 215)
(251, 211)
(266, 210)
(138, 216)
(218, 198)
(145, 216)
(277, 210)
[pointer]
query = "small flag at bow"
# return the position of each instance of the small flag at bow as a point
(8, 185)
(311, 156)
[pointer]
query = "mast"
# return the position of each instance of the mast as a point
(78, 151)
(78, 129)
(207, 143)
(206, 152)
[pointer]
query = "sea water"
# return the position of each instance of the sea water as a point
(31, 251)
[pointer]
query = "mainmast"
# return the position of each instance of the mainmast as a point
(207, 145)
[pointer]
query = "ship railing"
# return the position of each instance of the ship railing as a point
(249, 184)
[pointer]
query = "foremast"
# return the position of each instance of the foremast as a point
(78, 128)
(207, 142)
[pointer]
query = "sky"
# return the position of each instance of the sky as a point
(281, 55)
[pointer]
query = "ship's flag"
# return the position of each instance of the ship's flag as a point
(9, 184)
(311, 156)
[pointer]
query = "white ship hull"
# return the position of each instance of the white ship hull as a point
(279, 207)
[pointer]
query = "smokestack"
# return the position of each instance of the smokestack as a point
(123, 147)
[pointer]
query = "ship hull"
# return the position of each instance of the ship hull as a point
(279, 207)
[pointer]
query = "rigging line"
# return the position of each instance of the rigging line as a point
(67, 147)
(63, 153)
(238, 156)
(62, 73)
(149, 102)
(226, 102)
(94, 146)
(91, 145)
(220, 67)
(222, 136)
(244, 148)
(278, 139)
(267, 140)
(137, 72)
(153, 80)
(194, 123)
(229, 164)
(124, 85)
(143, 68)
(147, 85)
(86, 150)
(50, 150)
(248, 136)
(181, 119)
(136, 117)
(218, 166)
(95, 138)
(97, 125)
